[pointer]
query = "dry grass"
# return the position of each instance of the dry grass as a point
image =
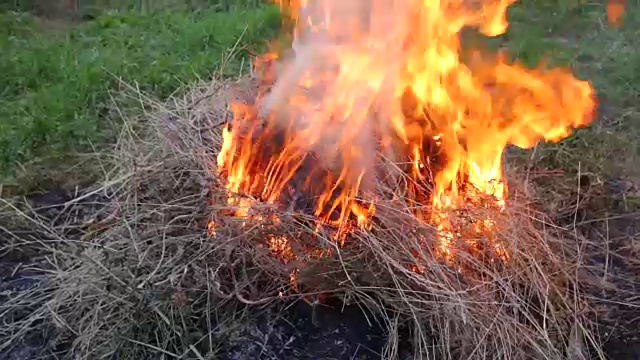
(141, 274)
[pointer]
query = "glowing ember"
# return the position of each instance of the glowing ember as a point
(279, 245)
(372, 77)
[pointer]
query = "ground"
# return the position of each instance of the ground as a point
(70, 80)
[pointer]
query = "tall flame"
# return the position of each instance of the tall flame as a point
(366, 76)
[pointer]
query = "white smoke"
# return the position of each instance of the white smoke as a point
(336, 92)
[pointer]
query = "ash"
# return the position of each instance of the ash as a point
(301, 331)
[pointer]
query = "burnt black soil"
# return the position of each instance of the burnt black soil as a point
(302, 331)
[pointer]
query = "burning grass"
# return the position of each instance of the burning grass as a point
(169, 267)
(507, 303)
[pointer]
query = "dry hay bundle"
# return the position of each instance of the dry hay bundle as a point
(173, 259)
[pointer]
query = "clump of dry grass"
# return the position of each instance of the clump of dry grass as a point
(148, 276)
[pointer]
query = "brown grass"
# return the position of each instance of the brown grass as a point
(143, 276)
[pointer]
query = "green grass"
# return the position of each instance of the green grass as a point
(79, 8)
(581, 38)
(56, 86)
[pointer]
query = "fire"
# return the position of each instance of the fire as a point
(279, 245)
(615, 11)
(393, 77)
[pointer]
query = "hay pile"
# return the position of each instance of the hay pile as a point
(148, 278)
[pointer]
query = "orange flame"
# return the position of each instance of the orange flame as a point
(615, 11)
(393, 75)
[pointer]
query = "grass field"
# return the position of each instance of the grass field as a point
(60, 81)
(581, 37)
(144, 284)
